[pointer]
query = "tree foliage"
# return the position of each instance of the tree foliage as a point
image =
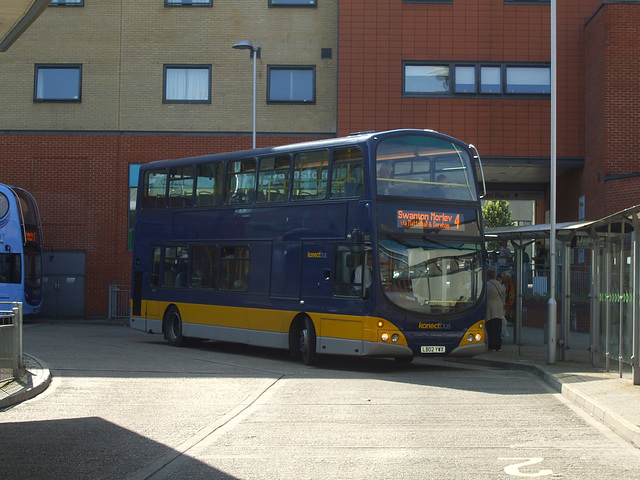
(495, 213)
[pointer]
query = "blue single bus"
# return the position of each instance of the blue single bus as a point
(20, 249)
(366, 245)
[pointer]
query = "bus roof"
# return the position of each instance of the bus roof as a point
(354, 138)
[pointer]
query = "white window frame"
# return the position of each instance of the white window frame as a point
(191, 88)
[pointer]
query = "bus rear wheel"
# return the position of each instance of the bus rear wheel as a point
(307, 343)
(172, 327)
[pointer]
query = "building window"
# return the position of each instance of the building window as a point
(187, 84)
(292, 84)
(465, 79)
(190, 3)
(528, 2)
(475, 79)
(528, 80)
(490, 79)
(58, 83)
(66, 3)
(426, 79)
(293, 3)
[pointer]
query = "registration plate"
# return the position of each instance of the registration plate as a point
(432, 349)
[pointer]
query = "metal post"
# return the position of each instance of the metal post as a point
(18, 363)
(520, 276)
(566, 304)
(254, 54)
(607, 315)
(621, 288)
(594, 327)
(635, 272)
(552, 308)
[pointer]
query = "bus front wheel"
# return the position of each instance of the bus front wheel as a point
(172, 327)
(307, 342)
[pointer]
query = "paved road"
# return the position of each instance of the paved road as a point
(123, 404)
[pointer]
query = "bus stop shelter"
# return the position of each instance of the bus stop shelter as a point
(614, 275)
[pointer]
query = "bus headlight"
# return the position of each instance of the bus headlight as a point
(470, 338)
(481, 325)
(384, 337)
(478, 337)
(395, 337)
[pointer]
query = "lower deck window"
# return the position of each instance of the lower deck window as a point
(234, 268)
(10, 268)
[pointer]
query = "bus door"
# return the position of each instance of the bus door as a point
(317, 270)
(285, 269)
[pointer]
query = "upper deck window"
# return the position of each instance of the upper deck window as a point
(310, 175)
(424, 167)
(181, 186)
(273, 179)
(154, 189)
(241, 182)
(4, 205)
(346, 173)
(209, 184)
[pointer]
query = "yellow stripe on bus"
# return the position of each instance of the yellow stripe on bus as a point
(350, 327)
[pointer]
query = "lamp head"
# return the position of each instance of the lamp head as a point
(245, 45)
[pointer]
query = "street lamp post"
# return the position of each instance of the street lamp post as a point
(247, 45)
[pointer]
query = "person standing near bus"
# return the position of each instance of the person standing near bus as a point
(495, 311)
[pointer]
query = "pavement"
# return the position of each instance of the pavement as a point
(34, 378)
(605, 395)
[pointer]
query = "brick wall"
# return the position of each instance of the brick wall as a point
(612, 172)
(376, 37)
(81, 185)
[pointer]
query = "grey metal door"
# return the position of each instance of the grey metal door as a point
(64, 279)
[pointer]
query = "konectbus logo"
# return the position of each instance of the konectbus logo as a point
(316, 254)
(434, 326)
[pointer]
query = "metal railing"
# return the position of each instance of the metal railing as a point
(119, 304)
(10, 340)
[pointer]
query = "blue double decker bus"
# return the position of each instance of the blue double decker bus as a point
(20, 249)
(367, 245)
